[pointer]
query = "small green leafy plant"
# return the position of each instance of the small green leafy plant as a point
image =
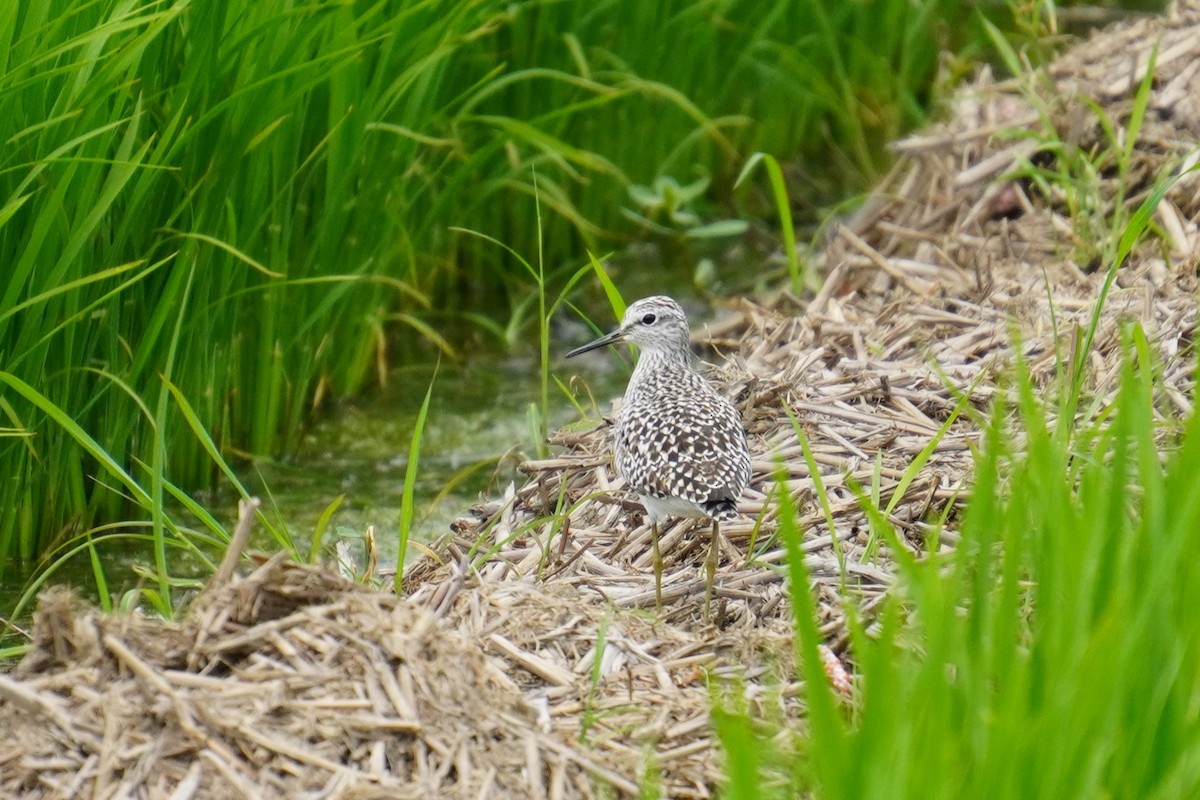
(667, 208)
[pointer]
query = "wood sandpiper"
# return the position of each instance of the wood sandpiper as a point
(680, 445)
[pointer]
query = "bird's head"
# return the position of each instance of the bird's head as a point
(654, 324)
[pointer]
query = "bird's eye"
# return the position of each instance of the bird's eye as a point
(648, 319)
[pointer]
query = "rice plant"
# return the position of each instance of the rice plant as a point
(248, 205)
(1053, 654)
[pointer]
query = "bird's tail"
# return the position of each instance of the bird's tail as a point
(721, 510)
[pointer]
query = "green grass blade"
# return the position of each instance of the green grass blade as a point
(79, 435)
(411, 470)
(318, 537)
(610, 289)
(102, 591)
(814, 472)
(783, 208)
(824, 721)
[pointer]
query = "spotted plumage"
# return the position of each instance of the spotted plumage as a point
(680, 445)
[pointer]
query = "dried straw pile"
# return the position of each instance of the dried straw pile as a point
(291, 682)
(524, 661)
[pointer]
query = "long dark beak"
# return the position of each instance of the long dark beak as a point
(608, 338)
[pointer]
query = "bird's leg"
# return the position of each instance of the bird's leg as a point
(710, 566)
(658, 565)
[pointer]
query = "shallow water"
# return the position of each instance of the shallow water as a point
(477, 430)
(478, 422)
